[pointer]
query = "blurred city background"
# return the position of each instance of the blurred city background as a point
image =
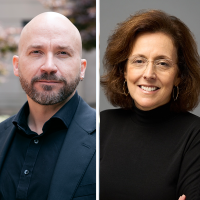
(14, 14)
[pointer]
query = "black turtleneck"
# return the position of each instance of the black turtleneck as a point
(149, 155)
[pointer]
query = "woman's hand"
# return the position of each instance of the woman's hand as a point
(183, 197)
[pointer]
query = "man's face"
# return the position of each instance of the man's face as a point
(49, 65)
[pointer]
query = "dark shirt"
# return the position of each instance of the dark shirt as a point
(149, 155)
(31, 159)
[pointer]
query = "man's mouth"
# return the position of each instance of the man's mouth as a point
(149, 88)
(48, 81)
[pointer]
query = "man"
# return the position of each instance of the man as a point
(47, 150)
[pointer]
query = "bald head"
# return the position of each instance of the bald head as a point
(52, 24)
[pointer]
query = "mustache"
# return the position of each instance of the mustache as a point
(46, 76)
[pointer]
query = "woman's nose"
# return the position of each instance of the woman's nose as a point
(149, 72)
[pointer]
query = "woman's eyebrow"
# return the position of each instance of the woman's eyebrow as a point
(155, 58)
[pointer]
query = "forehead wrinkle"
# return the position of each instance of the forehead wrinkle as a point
(35, 46)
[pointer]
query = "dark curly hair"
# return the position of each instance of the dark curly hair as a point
(120, 45)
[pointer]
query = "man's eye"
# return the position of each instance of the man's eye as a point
(63, 53)
(35, 52)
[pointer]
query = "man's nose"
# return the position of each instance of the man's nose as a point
(149, 72)
(49, 65)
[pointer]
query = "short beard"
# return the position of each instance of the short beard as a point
(48, 96)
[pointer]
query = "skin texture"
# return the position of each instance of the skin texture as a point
(152, 46)
(48, 64)
(183, 197)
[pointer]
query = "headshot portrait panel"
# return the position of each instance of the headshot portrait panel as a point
(48, 100)
(114, 12)
(149, 100)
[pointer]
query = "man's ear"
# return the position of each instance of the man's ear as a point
(83, 68)
(16, 65)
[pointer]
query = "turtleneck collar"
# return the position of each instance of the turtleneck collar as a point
(156, 115)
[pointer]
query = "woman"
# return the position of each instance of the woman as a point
(150, 148)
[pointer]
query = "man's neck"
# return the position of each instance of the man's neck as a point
(39, 114)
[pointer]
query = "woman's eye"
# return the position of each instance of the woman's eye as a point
(138, 61)
(163, 63)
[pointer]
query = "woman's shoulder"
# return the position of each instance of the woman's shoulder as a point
(187, 120)
(188, 116)
(114, 116)
(114, 113)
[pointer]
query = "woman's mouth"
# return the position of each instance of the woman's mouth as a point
(149, 88)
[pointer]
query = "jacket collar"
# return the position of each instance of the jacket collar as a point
(66, 113)
(85, 117)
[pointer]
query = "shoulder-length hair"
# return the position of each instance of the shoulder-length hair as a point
(120, 45)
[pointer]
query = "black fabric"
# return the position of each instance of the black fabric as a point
(31, 159)
(149, 155)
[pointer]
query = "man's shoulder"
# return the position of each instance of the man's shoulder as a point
(6, 123)
(85, 116)
(86, 109)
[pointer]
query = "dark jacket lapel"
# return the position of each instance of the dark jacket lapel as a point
(76, 154)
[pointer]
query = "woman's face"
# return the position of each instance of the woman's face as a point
(151, 85)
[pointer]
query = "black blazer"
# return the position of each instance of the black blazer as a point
(74, 176)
